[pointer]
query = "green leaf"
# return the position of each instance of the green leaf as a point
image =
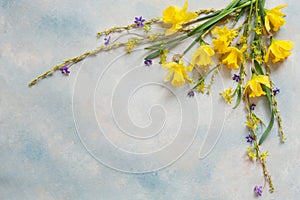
(210, 22)
(268, 129)
(153, 55)
(271, 123)
(208, 16)
(161, 44)
(239, 97)
(240, 14)
(229, 9)
(262, 11)
(258, 68)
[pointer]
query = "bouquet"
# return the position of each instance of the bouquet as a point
(240, 37)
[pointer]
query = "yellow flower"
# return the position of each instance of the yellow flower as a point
(234, 57)
(227, 95)
(255, 120)
(131, 44)
(177, 16)
(253, 87)
(274, 18)
(264, 155)
(221, 44)
(251, 125)
(251, 153)
(178, 72)
(225, 32)
(163, 56)
(225, 38)
(202, 56)
(201, 87)
(279, 50)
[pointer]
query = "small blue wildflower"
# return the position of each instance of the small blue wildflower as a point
(148, 62)
(258, 190)
(191, 93)
(250, 139)
(139, 21)
(236, 78)
(106, 40)
(252, 106)
(276, 91)
(65, 70)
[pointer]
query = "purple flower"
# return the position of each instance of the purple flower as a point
(236, 78)
(250, 139)
(65, 70)
(191, 93)
(252, 106)
(276, 91)
(106, 40)
(139, 21)
(258, 190)
(148, 62)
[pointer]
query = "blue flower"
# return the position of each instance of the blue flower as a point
(276, 91)
(258, 190)
(236, 78)
(139, 21)
(65, 70)
(250, 139)
(148, 62)
(252, 106)
(191, 93)
(106, 40)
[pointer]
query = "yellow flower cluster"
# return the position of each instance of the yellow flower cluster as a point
(225, 38)
(251, 153)
(252, 123)
(264, 155)
(227, 95)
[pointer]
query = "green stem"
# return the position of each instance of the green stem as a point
(205, 75)
(192, 44)
(159, 45)
(205, 17)
(220, 16)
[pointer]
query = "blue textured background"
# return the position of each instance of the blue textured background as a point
(40, 153)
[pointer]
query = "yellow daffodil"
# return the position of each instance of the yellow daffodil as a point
(177, 16)
(234, 57)
(274, 18)
(225, 38)
(178, 72)
(225, 32)
(202, 56)
(227, 95)
(253, 87)
(279, 50)
(221, 44)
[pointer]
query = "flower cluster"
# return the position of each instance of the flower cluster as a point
(247, 50)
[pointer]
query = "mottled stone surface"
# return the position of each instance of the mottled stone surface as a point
(112, 129)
